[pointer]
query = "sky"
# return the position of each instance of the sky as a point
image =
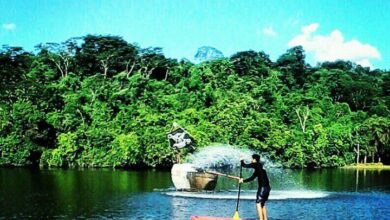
(356, 30)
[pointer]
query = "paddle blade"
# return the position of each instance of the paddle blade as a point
(236, 216)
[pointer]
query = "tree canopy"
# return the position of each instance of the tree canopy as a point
(99, 101)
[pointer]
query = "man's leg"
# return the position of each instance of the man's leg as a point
(259, 211)
(258, 205)
(264, 198)
(264, 213)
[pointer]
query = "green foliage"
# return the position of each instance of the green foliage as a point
(98, 101)
(125, 150)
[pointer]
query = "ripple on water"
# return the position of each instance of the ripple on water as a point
(297, 204)
(251, 194)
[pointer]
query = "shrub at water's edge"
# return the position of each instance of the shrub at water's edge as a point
(98, 101)
(368, 166)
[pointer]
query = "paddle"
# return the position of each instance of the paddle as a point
(221, 174)
(236, 216)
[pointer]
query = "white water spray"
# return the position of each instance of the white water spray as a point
(223, 156)
(227, 158)
(219, 156)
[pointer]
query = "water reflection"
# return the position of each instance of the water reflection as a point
(71, 193)
(105, 193)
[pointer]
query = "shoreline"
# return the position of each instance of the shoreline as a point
(372, 166)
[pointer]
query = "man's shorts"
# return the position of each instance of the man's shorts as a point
(262, 195)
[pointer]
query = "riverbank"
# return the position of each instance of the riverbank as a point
(374, 166)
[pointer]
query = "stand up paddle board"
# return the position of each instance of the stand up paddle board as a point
(216, 218)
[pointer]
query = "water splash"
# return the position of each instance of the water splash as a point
(226, 159)
(223, 156)
(219, 156)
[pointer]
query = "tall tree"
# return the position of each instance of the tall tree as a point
(292, 64)
(104, 54)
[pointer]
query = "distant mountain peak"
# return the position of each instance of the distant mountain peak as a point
(207, 53)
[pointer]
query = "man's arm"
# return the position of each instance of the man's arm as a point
(250, 178)
(243, 164)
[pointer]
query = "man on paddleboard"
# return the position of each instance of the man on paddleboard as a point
(263, 187)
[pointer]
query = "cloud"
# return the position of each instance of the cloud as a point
(9, 26)
(307, 30)
(333, 46)
(269, 31)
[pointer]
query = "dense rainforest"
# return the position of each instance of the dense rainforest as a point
(99, 101)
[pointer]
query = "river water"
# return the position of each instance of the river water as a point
(119, 194)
